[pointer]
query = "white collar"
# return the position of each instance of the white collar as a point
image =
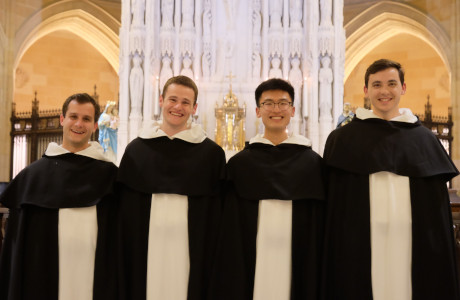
(94, 150)
(292, 139)
(406, 115)
(194, 134)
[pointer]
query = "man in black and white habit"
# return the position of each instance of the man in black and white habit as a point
(271, 242)
(60, 241)
(389, 231)
(170, 187)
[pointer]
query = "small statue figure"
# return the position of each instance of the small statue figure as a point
(187, 70)
(275, 71)
(346, 116)
(136, 85)
(108, 129)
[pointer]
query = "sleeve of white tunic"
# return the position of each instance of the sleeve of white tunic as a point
(273, 251)
(77, 234)
(391, 236)
(168, 262)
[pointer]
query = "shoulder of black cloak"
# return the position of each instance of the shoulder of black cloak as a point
(374, 145)
(162, 165)
(285, 172)
(63, 181)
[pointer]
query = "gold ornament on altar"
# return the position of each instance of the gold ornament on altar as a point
(230, 119)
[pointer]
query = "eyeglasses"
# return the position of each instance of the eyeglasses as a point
(282, 105)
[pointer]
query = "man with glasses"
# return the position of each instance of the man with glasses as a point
(273, 214)
(170, 187)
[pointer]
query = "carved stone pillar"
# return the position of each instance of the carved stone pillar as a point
(326, 77)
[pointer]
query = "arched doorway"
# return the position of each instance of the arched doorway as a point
(63, 49)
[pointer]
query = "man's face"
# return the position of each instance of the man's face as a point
(77, 126)
(177, 106)
(384, 90)
(273, 117)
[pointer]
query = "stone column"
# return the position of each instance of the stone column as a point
(123, 74)
(6, 89)
(455, 96)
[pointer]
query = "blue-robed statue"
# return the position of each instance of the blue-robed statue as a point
(346, 116)
(108, 128)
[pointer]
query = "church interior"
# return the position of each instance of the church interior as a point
(50, 49)
(122, 51)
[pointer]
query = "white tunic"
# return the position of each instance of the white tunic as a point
(168, 261)
(273, 274)
(391, 228)
(77, 238)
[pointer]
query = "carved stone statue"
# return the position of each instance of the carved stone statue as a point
(256, 18)
(207, 23)
(256, 64)
(325, 87)
(256, 31)
(136, 85)
(188, 8)
(206, 61)
(295, 78)
(207, 18)
(276, 10)
(295, 13)
(166, 71)
(275, 71)
(167, 10)
(326, 12)
(137, 9)
(187, 70)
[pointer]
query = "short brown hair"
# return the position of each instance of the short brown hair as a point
(82, 98)
(383, 64)
(182, 80)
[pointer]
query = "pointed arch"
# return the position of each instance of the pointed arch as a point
(385, 20)
(84, 19)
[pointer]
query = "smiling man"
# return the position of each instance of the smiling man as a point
(60, 240)
(170, 187)
(273, 218)
(389, 220)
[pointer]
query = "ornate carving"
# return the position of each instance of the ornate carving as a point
(295, 13)
(326, 29)
(325, 88)
(295, 78)
(167, 12)
(275, 71)
(166, 71)
(276, 11)
(187, 70)
(188, 9)
(137, 10)
(256, 38)
(207, 24)
(136, 85)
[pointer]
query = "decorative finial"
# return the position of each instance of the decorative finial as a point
(230, 77)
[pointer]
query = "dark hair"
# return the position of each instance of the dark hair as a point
(82, 98)
(274, 84)
(182, 80)
(383, 64)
